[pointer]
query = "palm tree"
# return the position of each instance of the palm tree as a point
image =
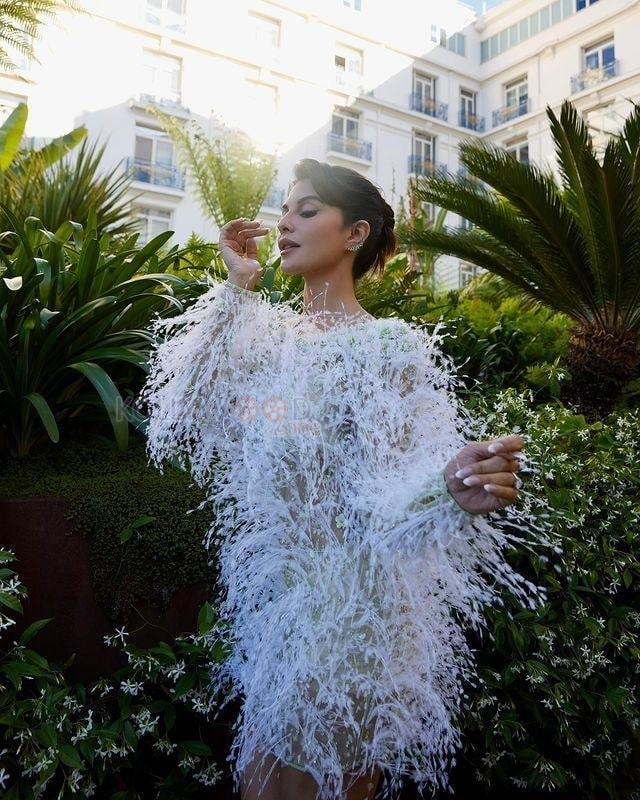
(20, 23)
(573, 243)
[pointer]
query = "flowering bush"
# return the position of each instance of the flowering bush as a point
(135, 727)
(557, 709)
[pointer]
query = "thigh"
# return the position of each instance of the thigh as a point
(295, 784)
(261, 779)
(362, 788)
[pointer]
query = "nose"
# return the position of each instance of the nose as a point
(283, 223)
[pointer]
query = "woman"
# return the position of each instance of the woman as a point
(350, 515)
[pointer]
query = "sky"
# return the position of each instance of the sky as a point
(477, 4)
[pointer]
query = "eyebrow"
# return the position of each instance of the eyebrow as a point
(285, 207)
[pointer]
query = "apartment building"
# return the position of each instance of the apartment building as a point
(390, 91)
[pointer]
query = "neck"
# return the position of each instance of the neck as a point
(331, 291)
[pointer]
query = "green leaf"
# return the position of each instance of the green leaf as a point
(31, 631)
(110, 397)
(11, 133)
(185, 683)
(195, 748)
(69, 756)
(206, 618)
(60, 146)
(46, 415)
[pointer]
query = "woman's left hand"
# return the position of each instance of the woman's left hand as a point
(482, 476)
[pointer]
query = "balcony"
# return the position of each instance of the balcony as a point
(593, 76)
(350, 82)
(171, 105)
(422, 166)
(474, 122)
(274, 198)
(166, 18)
(357, 148)
(427, 106)
(506, 113)
(156, 173)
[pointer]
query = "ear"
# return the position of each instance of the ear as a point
(360, 231)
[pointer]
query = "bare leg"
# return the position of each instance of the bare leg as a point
(296, 784)
(261, 779)
(364, 788)
(269, 779)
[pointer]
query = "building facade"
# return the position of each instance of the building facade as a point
(390, 91)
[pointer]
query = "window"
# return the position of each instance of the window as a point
(423, 155)
(466, 273)
(345, 123)
(516, 96)
(264, 31)
(347, 60)
(169, 14)
(344, 135)
(457, 43)
(348, 68)
(162, 77)
(151, 222)
(355, 5)
(518, 149)
(154, 159)
(603, 122)
(601, 56)
(436, 34)
(580, 4)
(423, 98)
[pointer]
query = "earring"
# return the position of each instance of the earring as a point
(352, 248)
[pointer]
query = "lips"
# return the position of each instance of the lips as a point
(286, 245)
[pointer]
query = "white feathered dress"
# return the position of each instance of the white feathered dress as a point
(348, 572)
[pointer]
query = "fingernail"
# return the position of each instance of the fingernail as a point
(464, 472)
(517, 454)
(489, 487)
(472, 481)
(496, 447)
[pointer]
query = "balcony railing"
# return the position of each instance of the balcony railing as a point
(593, 76)
(170, 104)
(164, 18)
(156, 173)
(474, 122)
(275, 198)
(350, 147)
(422, 166)
(425, 105)
(349, 81)
(506, 113)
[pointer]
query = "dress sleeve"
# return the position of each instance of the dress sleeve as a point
(420, 426)
(197, 368)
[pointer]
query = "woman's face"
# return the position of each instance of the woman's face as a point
(312, 234)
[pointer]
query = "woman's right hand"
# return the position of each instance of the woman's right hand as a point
(238, 247)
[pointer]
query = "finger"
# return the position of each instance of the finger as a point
(249, 233)
(240, 222)
(487, 465)
(506, 494)
(505, 443)
(501, 478)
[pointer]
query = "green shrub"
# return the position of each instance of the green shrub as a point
(107, 492)
(496, 345)
(144, 731)
(558, 707)
(73, 313)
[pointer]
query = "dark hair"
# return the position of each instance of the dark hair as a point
(358, 198)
